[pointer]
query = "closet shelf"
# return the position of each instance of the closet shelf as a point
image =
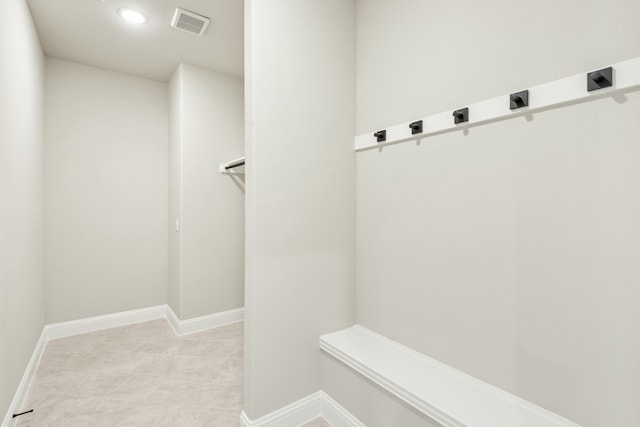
(450, 397)
(231, 167)
(620, 77)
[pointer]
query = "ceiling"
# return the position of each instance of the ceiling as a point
(91, 32)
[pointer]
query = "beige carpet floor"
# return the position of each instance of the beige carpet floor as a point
(139, 375)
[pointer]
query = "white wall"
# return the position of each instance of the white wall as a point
(105, 191)
(417, 57)
(369, 403)
(510, 252)
(300, 96)
(21, 221)
(176, 102)
(207, 256)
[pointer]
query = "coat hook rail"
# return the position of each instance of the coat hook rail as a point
(623, 76)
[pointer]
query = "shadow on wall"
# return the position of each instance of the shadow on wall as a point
(238, 180)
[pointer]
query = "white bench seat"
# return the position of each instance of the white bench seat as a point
(441, 392)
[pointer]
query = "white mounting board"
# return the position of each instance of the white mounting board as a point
(569, 90)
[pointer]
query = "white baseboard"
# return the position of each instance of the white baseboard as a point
(25, 382)
(319, 404)
(336, 415)
(98, 323)
(181, 327)
(292, 415)
(199, 324)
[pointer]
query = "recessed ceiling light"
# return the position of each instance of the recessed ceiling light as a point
(132, 15)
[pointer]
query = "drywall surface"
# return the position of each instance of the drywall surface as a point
(300, 213)
(21, 195)
(370, 403)
(176, 101)
(207, 253)
(212, 223)
(105, 191)
(508, 251)
(417, 58)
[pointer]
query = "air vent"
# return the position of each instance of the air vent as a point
(190, 22)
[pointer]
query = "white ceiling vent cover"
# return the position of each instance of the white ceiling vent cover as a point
(190, 22)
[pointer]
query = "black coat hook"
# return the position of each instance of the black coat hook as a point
(416, 127)
(381, 135)
(461, 115)
(600, 79)
(519, 100)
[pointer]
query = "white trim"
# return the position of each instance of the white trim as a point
(318, 404)
(566, 91)
(173, 320)
(25, 382)
(97, 323)
(292, 415)
(181, 327)
(199, 324)
(336, 415)
(449, 396)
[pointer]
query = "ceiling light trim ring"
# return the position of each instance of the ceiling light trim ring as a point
(132, 15)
